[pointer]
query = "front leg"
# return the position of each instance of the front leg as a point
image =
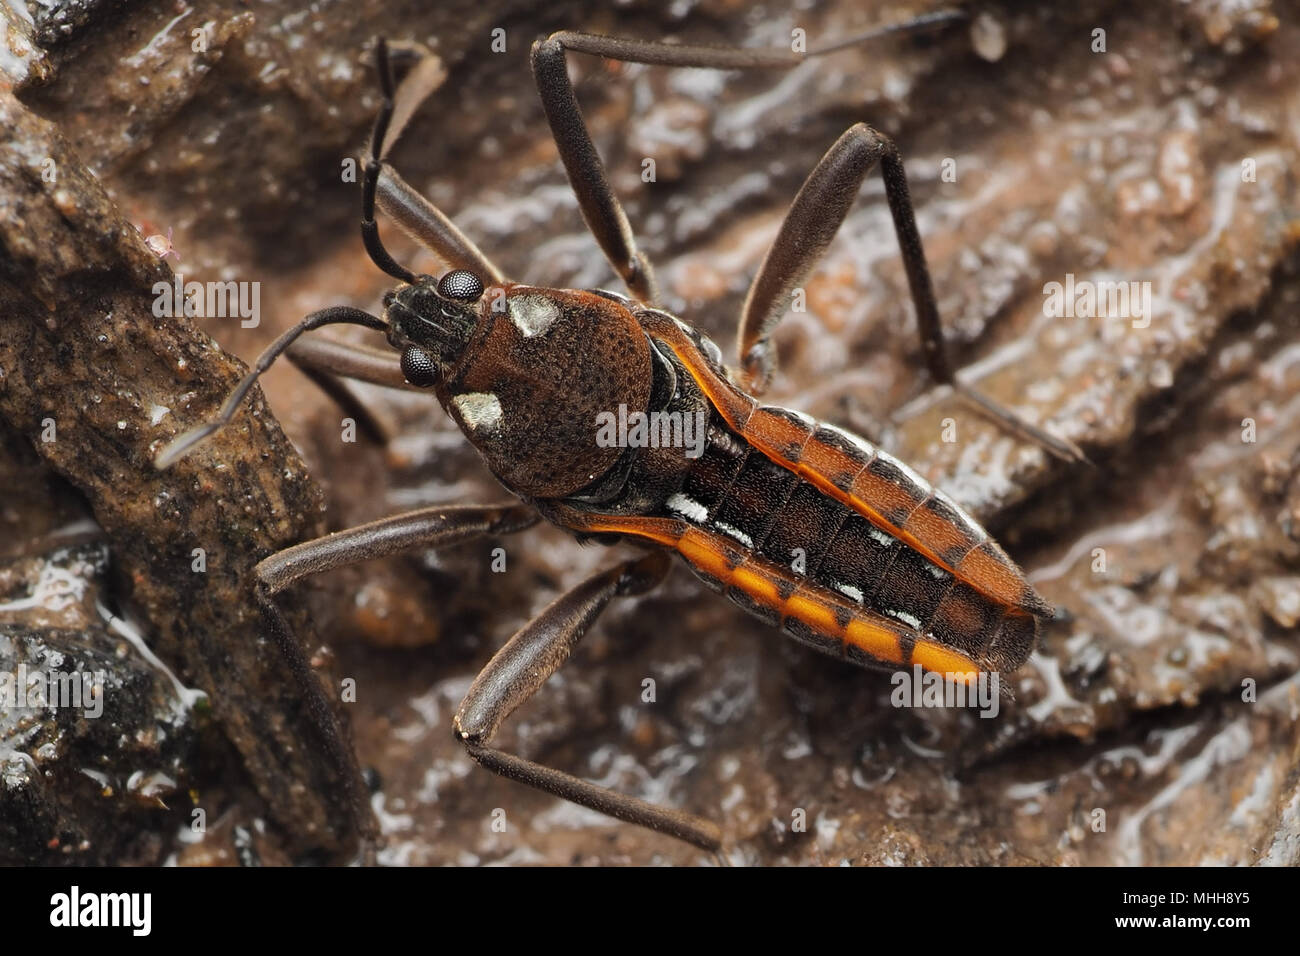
(381, 184)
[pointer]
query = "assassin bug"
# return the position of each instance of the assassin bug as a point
(896, 574)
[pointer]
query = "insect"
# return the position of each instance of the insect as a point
(894, 574)
(161, 245)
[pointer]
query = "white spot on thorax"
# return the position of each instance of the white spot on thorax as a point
(533, 314)
(479, 410)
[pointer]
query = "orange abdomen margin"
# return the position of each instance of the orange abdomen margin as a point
(876, 486)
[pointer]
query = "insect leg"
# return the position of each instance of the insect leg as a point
(417, 217)
(316, 359)
(330, 364)
(187, 441)
(429, 226)
(428, 527)
(815, 216)
(424, 76)
(600, 206)
(523, 665)
(350, 360)
(437, 527)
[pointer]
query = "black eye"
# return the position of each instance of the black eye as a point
(418, 368)
(460, 284)
(389, 296)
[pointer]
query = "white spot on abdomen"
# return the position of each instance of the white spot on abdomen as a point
(689, 507)
(911, 620)
(732, 531)
(849, 591)
(879, 536)
(479, 410)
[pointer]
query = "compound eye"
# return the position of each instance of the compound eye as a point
(461, 285)
(418, 368)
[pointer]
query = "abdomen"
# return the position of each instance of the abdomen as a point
(779, 545)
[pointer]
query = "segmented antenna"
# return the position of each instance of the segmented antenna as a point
(186, 442)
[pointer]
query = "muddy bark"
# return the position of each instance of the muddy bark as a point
(97, 381)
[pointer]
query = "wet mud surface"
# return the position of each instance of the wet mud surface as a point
(1157, 722)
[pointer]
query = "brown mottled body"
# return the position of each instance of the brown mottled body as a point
(813, 529)
(804, 525)
(807, 526)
